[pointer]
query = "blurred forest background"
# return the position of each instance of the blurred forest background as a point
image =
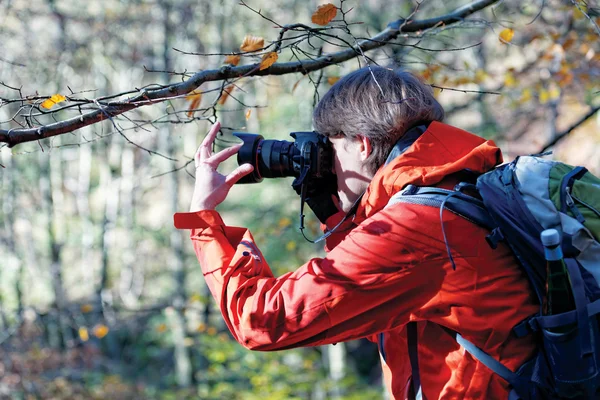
(100, 297)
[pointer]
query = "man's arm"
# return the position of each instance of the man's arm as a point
(372, 281)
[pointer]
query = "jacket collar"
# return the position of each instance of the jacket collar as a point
(425, 158)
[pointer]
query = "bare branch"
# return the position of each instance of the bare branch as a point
(559, 136)
(151, 96)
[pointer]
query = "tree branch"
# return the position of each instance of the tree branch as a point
(564, 133)
(150, 96)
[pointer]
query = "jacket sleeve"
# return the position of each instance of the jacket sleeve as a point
(367, 284)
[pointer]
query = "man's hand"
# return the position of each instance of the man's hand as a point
(212, 187)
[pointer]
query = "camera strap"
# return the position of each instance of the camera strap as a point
(349, 214)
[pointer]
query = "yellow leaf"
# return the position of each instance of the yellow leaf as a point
(526, 95)
(100, 331)
(86, 308)
(506, 35)
(225, 95)
(290, 246)
(54, 99)
(268, 60)
(248, 114)
(333, 79)
(211, 331)
(196, 298)
(554, 93)
(544, 96)
(194, 98)
(324, 14)
(480, 76)
(579, 11)
(161, 328)
(201, 327)
(509, 80)
(83, 334)
(233, 59)
(252, 43)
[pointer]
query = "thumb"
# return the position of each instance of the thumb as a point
(238, 174)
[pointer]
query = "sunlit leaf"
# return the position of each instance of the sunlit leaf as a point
(480, 75)
(196, 298)
(83, 334)
(268, 60)
(554, 93)
(233, 59)
(161, 328)
(201, 327)
(225, 95)
(248, 113)
(290, 246)
(324, 14)
(100, 331)
(579, 11)
(544, 96)
(194, 98)
(333, 79)
(55, 99)
(252, 43)
(506, 35)
(86, 308)
(509, 79)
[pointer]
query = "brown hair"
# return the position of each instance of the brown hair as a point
(378, 103)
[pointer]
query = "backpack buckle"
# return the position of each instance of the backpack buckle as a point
(494, 237)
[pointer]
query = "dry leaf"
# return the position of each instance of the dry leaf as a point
(506, 35)
(324, 14)
(248, 114)
(333, 79)
(225, 95)
(252, 43)
(86, 308)
(55, 99)
(194, 98)
(83, 334)
(268, 60)
(233, 59)
(161, 328)
(100, 331)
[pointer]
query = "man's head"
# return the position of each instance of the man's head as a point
(364, 114)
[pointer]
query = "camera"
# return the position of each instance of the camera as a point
(309, 159)
(309, 154)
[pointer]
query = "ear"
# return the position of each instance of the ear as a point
(365, 147)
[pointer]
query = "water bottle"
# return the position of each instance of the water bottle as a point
(559, 295)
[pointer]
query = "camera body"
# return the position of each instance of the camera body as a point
(309, 158)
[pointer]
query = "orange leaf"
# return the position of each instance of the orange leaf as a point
(333, 79)
(194, 97)
(324, 14)
(233, 59)
(100, 331)
(506, 35)
(252, 43)
(226, 92)
(248, 114)
(86, 308)
(268, 60)
(55, 99)
(83, 334)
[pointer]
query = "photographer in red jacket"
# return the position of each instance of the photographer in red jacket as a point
(386, 266)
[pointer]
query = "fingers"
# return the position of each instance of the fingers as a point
(238, 174)
(205, 149)
(221, 156)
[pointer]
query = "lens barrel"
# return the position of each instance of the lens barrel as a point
(270, 158)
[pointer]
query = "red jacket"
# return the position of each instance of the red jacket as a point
(391, 268)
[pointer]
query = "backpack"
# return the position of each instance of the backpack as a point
(516, 202)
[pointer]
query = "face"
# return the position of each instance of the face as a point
(352, 174)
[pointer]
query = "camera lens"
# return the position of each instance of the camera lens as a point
(270, 158)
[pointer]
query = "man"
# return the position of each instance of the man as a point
(388, 265)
